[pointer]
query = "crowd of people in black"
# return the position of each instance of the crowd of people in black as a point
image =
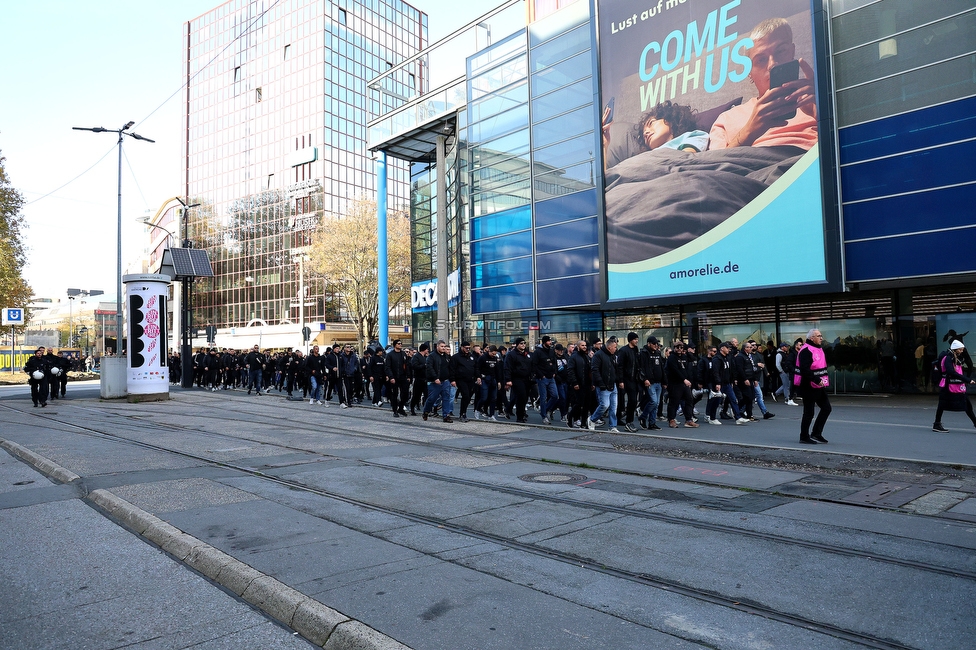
(584, 384)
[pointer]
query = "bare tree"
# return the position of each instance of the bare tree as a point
(14, 290)
(344, 252)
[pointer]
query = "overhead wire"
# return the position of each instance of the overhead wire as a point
(111, 149)
(134, 179)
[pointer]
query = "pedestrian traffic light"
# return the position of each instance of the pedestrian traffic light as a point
(306, 334)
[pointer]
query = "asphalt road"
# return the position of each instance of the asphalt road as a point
(493, 535)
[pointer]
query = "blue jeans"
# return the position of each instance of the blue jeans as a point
(563, 399)
(548, 395)
(607, 406)
(787, 388)
(314, 388)
(759, 399)
(729, 393)
(254, 379)
(489, 395)
(441, 391)
(653, 400)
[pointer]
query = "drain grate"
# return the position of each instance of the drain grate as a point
(552, 477)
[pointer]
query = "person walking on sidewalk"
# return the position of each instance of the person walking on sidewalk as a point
(603, 368)
(785, 369)
(39, 374)
(952, 388)
(812, 381)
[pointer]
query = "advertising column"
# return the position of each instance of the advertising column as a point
(145, 299)
(711, 143)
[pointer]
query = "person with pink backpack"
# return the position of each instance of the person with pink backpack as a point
(952, 386)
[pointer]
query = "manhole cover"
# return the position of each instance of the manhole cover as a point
(552, 477)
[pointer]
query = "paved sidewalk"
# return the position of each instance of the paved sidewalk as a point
(72, 579)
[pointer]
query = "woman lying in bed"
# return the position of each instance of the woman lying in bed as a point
(667, 125)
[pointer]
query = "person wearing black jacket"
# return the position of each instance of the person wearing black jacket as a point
(518, 373)
(814, 381)
(314, 374)
(60, 384)
(350, 374)
(544, 371)
(376, 371)
(466, 378)
(228, 363)
(490, 371)
(562, 360)
(39, 386)
(762, 378)
(281, 369)
(53, 377)
(628, 381)
(680, 374)
(746, 373)
(199, 362)
(723, 374)
(292, 368)
(211, 370)
(255, 362)
(579, 384)
(603, 369)
(710, 381)
(418, 366)
(332, 383)
(652, 376)
(398, 388)
(439, 382)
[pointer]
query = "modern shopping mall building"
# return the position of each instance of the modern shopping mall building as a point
(853, 210)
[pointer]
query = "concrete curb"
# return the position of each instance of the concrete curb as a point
(322, 625)
(41, 464)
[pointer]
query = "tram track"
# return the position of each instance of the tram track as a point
(589, 564)
(514, 491)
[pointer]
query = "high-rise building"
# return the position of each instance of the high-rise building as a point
(276, 108)
(601, 169)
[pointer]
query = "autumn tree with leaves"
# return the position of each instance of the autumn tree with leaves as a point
(14, 291)
(344, 253)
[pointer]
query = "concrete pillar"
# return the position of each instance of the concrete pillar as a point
(443, 262)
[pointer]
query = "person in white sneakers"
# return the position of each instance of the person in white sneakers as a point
(785, 375)
(952, 387)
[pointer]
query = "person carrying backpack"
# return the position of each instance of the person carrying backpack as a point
(952, 386)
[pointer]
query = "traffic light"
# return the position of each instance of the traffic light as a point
(306, 334)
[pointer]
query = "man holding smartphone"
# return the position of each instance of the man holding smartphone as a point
(784, 113)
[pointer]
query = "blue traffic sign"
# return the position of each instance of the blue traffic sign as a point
(13, 316)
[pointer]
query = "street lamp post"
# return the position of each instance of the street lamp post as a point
(124, 131)
(84, 348)
(186, 295)
(146, 222)
(71, 331)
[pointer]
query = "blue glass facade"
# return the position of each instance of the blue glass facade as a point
(532, 143)
(906, 96)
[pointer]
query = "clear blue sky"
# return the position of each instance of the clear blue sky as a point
(71, 63)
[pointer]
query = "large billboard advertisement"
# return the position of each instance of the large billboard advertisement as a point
(710, 137)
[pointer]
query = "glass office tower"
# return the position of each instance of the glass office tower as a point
(276, 107)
